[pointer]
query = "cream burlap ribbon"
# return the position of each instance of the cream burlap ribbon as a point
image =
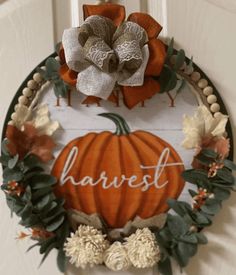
(104, 55)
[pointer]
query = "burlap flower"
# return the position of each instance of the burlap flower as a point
(142, 248)
(116, 257)
(86, 247)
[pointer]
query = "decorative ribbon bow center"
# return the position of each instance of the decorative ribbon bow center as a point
(104, 55)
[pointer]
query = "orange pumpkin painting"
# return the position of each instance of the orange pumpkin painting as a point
(118, 175)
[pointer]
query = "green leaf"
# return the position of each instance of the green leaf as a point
(4, 160)
(55, 224)
(167, 79)
(229, 164)
(164, 267)
(186, 251)
(200, 219)
(202, 239)
(12, 175)
(52, 67)
(189, 238)
(4, 148)
(170, 49)
(209, 153)
(180, 58)
(221, 194)
(45, 244)
(43, 202)
(176, 225)
(30, 162)
(61, 260)
(33, 246)
(198, 177)
(225, 175)
(192, 193)
(13, 161)
(41, 193)
(42, 181)
(60, 88)
(211, 209)
(47, 253)
(52, 217)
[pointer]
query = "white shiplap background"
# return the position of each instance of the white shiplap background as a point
(204, 28)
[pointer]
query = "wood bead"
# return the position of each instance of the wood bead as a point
(14, 116)
(22, 100)
(217, 114)
(27, 92)
(11, 122)
(215, 107)
(188, 70)
(195, 76)
(57, 58)
(16, 106)
(43, 68)
(211, 99)
(208, 91)
(37, 78)
(202, 83)
(32, 84)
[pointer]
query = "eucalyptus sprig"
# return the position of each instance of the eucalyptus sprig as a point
(51, 73)
(36, 205)
(180, 236)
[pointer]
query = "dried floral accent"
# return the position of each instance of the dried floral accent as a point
(14, 188)
(36, 234)
(142, 248)
(202, 129)
(116, 257)
(39, 234)
(39, 118)
(86, 247)
(200, 198)
(43, 123)
(28, 141)
(214, 167)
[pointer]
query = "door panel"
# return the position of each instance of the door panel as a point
(204, 28)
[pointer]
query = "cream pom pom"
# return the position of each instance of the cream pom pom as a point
(142, 248)
(116, 257)
(86, 246)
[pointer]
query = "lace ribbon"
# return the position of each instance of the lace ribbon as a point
(103, 54)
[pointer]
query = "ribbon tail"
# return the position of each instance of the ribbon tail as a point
(94, 82)
(134, 95)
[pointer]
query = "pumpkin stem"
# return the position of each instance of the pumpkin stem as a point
(122, 127)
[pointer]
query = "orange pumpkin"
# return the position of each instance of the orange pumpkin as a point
(110, 172)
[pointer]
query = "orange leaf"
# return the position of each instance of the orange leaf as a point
(134, 95)
(115, 12)
(152, 27)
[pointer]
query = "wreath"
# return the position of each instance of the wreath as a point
(28, 144)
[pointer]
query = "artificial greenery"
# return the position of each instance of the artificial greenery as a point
(169, 78)
(35, 202)
(182, 233)
(51, 73)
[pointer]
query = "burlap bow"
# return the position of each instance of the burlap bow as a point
(104, 55)
(107, 51)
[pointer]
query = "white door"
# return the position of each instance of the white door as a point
(204, 28)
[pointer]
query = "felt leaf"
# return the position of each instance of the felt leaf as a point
(61, 260)
(43, 123)
(202, 239)
(202, 125)
(167, 79)
(221, 194)
(13, 161)
(28, 141)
